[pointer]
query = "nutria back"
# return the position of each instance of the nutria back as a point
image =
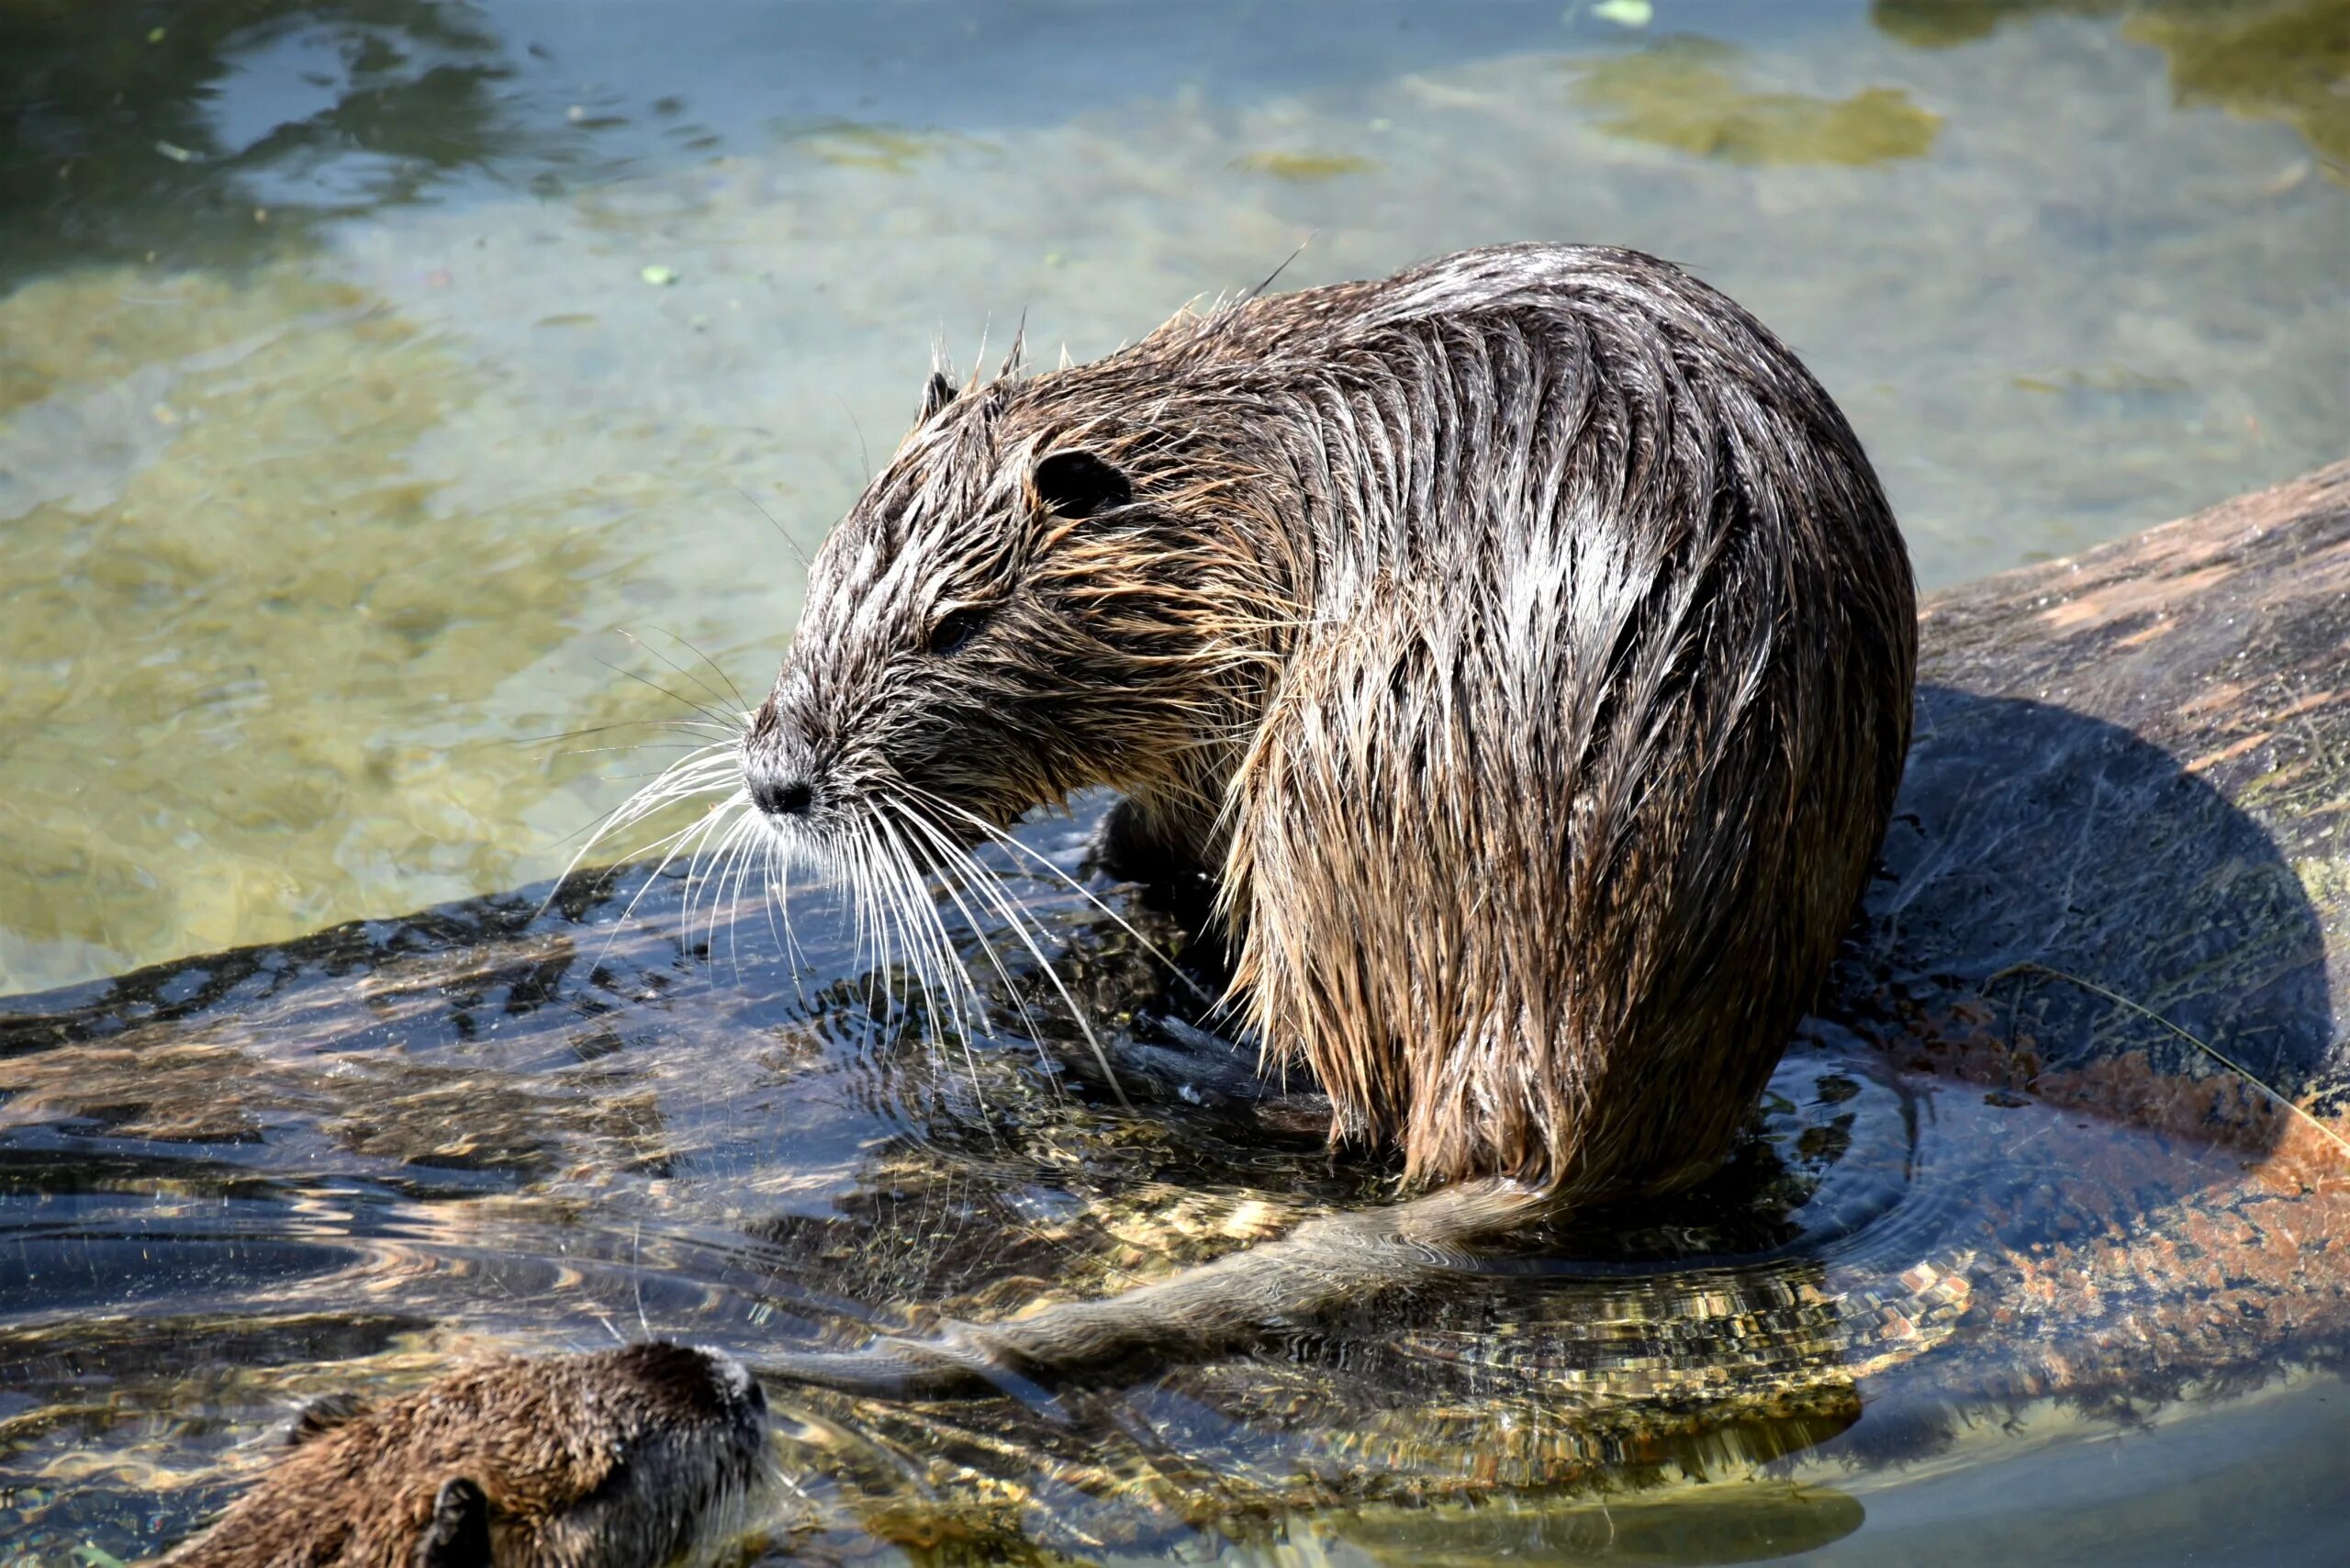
(622, 1459)
(1521, 645)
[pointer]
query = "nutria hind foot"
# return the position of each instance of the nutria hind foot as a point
(1232, 1304)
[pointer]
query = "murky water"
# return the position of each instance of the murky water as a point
(386, 388)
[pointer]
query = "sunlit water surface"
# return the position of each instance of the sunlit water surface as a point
(385, 390)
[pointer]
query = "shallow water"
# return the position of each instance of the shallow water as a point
(344, 1164)
(385, 388)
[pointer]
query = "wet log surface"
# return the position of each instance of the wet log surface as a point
(2067, 1127)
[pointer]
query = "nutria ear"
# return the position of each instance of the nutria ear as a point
(458, 1536)
(1077, 483)
(321, 1415)
(935, 395)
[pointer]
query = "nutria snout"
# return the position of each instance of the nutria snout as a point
(620, 1458)
(1521, 645)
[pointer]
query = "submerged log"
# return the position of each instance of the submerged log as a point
(2131, 779)
(2119, 890)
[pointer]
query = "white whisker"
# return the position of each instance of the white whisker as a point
(1039, 858)
(1076, 1013)
(950, 972)
(954, 860)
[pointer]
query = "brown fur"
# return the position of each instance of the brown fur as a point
(1521, 643)
(623, 1458)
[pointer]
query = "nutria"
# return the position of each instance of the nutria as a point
(1521, 648)
(612, 1460)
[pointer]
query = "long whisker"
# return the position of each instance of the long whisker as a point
(696, 726)
(955, 866)
(778, 902)
(675, 796)
(676, 841)
(1038, 857)
(903, 902)
(699, 771)
(955, 870)
(943, 954)
(785, 534)
(746, 864)
(721, 859)
(869, 955)
(889, 882)
(639, 746)
(1076, 1013)
(955, 862)
(716, 716)
(891, 936)
(714, 693)
(715, 667)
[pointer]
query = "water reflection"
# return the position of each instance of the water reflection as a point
(190, 129)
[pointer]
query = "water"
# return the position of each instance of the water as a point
(233, 1184)
(385, 388)
(321, 517)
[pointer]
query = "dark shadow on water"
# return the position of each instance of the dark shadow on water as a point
(127, 131)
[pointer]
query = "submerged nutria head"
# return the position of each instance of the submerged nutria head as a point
(1023, 603)
(621, 1459)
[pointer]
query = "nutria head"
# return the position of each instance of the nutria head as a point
(613, 1460)
(980, 634)
(1042, 591)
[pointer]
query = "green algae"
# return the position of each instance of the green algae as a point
(240, 633)
(1683, 93)
(875, 149)
(1304, 168)
(2285, 60)
(1943, 24)
(2288, 61)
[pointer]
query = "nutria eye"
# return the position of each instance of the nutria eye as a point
(955, 631)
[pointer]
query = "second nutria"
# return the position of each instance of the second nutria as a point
(1522, 648)
(620, 1458)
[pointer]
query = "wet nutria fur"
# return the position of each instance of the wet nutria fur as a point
(1521, 645)
(621, 1459)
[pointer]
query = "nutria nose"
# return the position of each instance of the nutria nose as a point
(779, 796)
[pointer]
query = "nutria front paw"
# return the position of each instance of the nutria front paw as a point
(1130, 846)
